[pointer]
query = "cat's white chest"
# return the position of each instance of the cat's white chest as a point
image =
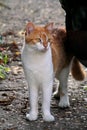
(38, 65)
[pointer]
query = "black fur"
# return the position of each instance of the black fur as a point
(76, 26)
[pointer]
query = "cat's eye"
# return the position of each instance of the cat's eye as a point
(49, 40)
(38, 39)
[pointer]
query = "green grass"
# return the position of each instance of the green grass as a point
(3, 66)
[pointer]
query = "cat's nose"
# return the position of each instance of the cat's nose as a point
(45, 45)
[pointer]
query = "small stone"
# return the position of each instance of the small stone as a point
(3, 120)
(73, 99)
(85, 99)
(67, 119)
(83, 117)
(60, 119)
(68, 112)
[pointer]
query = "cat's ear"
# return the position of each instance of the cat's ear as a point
(49, 27)
(29, 28)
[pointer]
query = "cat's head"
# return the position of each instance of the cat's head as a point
(38, 37)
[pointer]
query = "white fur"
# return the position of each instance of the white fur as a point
(38, 68)
(63, 78)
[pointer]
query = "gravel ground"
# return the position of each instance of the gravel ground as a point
(14, 91)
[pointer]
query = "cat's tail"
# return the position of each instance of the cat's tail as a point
(77, 70)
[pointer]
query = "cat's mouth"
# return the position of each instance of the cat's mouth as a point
(44, 49)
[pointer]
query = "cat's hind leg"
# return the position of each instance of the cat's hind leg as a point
(63, 79)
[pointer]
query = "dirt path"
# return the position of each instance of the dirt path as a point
(14, 92)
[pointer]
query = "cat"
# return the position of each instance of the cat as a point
(37, 62)
(44, 58)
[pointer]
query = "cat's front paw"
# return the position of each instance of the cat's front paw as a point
(31, 116)
(48, 118)
(64, 101)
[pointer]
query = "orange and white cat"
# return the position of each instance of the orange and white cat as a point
(38, 68)
(43, 57)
